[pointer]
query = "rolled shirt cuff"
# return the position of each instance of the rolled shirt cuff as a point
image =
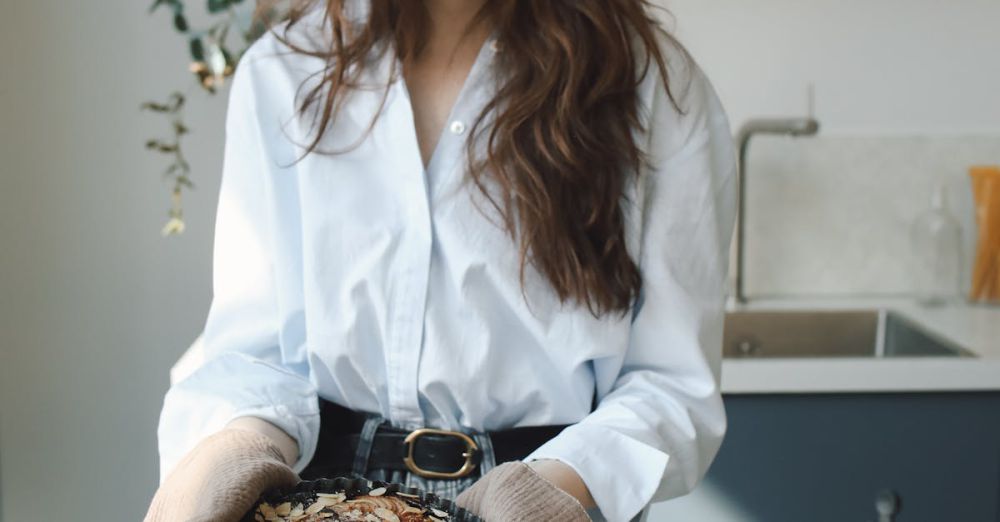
(621, 473)
(237, 385)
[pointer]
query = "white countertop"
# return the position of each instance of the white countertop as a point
(973, 327)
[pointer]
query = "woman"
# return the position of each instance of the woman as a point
(506, 219)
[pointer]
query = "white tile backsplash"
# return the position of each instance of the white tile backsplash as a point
(831, 215)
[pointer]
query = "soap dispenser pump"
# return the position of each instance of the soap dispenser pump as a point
(936, 241)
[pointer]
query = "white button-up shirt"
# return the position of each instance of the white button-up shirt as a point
(366, 279)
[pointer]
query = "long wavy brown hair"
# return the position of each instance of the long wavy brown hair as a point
(560, 145)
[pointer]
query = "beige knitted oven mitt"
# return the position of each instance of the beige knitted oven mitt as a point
(221, 478)
(513, 492)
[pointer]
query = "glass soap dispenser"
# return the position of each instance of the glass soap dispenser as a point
(936, 242)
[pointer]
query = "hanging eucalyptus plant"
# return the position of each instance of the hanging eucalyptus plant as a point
(215, 51)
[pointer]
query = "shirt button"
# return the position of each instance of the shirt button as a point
(457, 127)
(494, 45)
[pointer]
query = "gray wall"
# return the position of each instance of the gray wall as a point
(94, 304)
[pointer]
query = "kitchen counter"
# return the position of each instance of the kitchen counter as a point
(973, 327)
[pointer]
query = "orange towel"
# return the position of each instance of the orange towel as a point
(986, 270)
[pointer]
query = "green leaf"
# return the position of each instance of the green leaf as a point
(156, 5)
(197, 49)
(175, 4)
(177, 99)
(155, 107)
(181, 23)
(174, 104)
(160, 146)
(217, 6)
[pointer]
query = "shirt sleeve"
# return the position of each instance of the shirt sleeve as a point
(254, 365)
(654, 433)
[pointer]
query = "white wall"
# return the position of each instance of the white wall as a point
(832, 215)
(907, 93)
(879, 66)
(96, 305)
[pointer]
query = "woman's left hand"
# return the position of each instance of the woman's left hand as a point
(513, 492)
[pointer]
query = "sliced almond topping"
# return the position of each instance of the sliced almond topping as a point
(284, 509)
(331, 500)
(385, 514)
(267, 511)
(376, 492)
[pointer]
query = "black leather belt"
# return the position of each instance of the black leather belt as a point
(426, 452)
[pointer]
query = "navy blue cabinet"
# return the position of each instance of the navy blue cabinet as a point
(824, 458)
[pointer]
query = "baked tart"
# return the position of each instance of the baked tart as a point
(355, 500)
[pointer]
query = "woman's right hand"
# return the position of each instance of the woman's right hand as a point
(221, 478)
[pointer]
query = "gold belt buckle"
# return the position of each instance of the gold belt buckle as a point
(466, 468)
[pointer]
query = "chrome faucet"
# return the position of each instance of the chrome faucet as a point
(781, 126)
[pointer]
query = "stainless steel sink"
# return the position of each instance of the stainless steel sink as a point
(830, 333)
